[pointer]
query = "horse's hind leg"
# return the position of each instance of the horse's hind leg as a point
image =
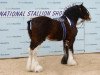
(32, 63)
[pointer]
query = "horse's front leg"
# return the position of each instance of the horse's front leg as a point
(65, 57)
(71, 47)
(68, 55)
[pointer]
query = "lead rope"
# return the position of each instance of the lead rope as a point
(82, 23)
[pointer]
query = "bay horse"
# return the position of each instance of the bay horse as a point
(64, 28)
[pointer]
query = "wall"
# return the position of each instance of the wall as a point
(14, 14)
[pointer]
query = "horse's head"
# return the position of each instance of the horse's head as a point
(83, 12)
(77, 11)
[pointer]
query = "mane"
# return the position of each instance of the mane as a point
(71, 11)
(71, 7)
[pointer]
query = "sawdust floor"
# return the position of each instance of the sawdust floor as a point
(88, 64)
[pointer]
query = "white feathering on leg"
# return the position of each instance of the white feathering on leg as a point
(36, 67)
(29, 61)
(71, 60)
(32, 63)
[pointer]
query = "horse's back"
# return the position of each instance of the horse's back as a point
(41, 27)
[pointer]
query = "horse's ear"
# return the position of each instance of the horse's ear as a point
(82, 4)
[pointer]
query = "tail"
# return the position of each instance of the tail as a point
(28, 28)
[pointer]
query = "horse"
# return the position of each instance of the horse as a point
(64, 28)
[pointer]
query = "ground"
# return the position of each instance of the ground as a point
(88, 64)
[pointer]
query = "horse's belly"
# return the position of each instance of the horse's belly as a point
(54, 37)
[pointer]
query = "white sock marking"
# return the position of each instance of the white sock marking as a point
(71, 60)
(32, 63)
(29, 61)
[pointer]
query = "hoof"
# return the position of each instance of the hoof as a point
(72, 62)
(64, 60)
(38, 68)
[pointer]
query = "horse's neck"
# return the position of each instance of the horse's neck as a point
(73, 20)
